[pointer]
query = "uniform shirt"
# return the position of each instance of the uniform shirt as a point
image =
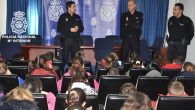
(66, 22)
(131, 24)
(180, 29)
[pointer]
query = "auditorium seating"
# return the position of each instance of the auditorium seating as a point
(103, 71)
(127, 66)
(41, 101)
(152, 86)
(189, 84)
(18, 63)
(61, 98)
(136, 72)
(176, 103)
(86, 40)
(114, 101)
(48, 81)
(100, 72)
(67, 80)
(9, 82)
(171, 73)
(21, 71)
(110, 85)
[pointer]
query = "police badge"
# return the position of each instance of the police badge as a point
(53, 33)
(19, 23)
(55, 10)
(127, 19)
(66, 19)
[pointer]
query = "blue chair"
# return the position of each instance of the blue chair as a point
(116, 39)
(103, 47)
(86, 40)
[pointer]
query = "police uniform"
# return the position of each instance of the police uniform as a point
(130, 32)
(181, 32)
(70, 40)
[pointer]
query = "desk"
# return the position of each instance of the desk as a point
(30, 52)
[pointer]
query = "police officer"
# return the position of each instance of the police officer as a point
(181, 32)
(130, 30)
(70, 26)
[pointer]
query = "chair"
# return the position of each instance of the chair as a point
(61, 98)
(152, 86)
(41, 101)
(114, 101)
(86, 40)
(115, 39)
(57, 40)
(110, 85)
(189, 84)
(58, 68)
(171, 73)
(21, 71)
(100, 72)
(48, 81)
(67, 80)
(102, 48)
(136, 72)
(19, 63)
(9, 82)
(176, 103)
(127, 66)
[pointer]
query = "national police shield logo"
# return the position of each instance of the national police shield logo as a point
(19, 23)
(107, 11)
(55, 10)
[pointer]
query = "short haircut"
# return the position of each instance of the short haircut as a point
(19, 105)
(137, 101)
(3, 66)
(127, 89)
(68, 4)
(113, 71)
(180, 5)
(188, 66)
(76, 107)
(176, 88)
(19, 93)
(76, 95)
(33, 84)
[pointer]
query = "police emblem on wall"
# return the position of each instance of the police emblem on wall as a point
(19, 23)
(55, 10)
(107, 11)
(53, 33)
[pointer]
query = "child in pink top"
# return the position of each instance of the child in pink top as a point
(77, 65)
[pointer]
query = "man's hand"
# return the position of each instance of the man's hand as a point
(75, 29)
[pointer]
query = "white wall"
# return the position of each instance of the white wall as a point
(189, 11)
(3, 11)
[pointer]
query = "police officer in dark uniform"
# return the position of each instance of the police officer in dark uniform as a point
(130, 30)
(181, 32)
(70, 26)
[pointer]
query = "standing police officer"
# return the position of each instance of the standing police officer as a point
(70, 26)
(181, 32)
(130, 30)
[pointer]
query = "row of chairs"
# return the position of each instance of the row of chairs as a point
(115, 102)
(152, 86)
(136, 72)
